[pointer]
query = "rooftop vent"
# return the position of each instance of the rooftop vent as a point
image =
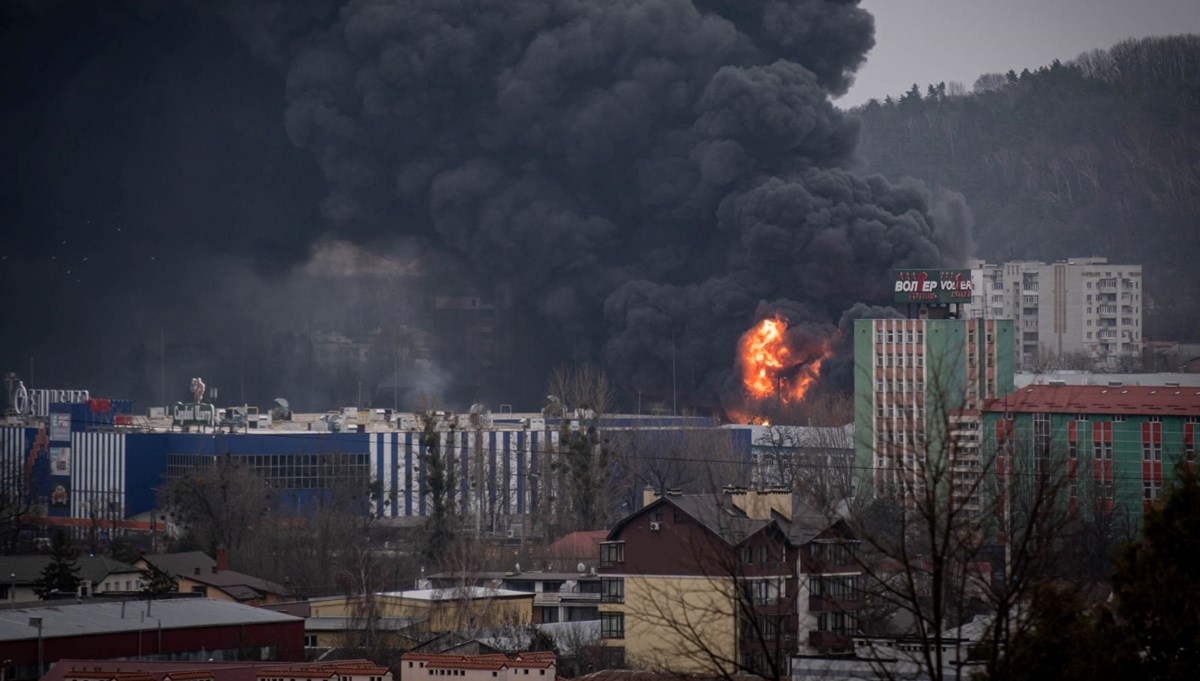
(1114, 384)
(1057, 383)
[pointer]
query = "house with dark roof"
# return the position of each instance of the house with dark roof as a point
(724, 583)
(97, 575)
(196, 572)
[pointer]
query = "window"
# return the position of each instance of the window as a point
(1118, 418)
(763, 591)
(612, 590)
(310, 641)
(681, 518)
(748, 551)
(841, 588)
(612, 625)
(656, 515)
(764, 555)
(838, 622)
(612, 554)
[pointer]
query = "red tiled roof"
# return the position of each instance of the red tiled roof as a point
(322, 670)
(494, 662)
(189, 676)
(577, 545)
(1100, 399)
(77, 675)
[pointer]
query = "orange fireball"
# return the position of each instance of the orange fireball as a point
(772, 368)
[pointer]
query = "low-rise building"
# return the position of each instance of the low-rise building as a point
(451, 609)
(193, 628)
(536, 666)
(557, 596)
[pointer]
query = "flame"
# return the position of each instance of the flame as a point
(772, 368)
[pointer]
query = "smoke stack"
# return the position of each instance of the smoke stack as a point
(222, 561)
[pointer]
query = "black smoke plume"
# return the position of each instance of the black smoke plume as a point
(633, 182)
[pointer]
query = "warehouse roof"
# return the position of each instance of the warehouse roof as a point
(1100, 399)
(82, 619)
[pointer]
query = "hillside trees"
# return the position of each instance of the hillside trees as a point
(1098, 156)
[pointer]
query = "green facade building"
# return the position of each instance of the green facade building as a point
(1118, 445)
(920, 386)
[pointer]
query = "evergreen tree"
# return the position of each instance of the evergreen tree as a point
(1155, 584)
(61, 574)
(156, 582)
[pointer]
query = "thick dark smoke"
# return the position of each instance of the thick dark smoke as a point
(633, 182)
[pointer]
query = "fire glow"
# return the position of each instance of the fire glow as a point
(773, 368)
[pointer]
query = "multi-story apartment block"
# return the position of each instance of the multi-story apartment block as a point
(1083, 307)
(722, 583)
(920, 386)
(1118, 445)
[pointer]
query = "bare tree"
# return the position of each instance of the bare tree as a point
(221, 504)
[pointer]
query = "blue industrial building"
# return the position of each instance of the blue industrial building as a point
(77, 461)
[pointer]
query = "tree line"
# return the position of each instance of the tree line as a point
(1096, 156)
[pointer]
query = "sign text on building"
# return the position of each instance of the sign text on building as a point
(933, 286)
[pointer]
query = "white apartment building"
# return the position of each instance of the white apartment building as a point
(1079, 307)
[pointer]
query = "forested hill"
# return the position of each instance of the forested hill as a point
(1099, 156)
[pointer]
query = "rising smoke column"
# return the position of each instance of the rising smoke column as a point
(648, 177)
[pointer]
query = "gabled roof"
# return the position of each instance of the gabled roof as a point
(494, 661)
(577, 545)
(183, 564)
(27, 569)
(715, 512)
(240, 586)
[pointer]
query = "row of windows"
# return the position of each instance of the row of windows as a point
(902, 385)
(845, 623)
(764, 591)
(842, 588)
(288, 471)
(899, 360)
(764, 555)
(891, 336)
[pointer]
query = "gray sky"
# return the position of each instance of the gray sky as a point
(927, 41)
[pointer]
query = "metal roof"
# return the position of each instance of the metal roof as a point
(83, 619)
(1100, 399)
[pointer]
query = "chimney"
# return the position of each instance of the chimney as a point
(222, 561)
(649, 496)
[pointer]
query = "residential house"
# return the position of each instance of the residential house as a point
(709, 583)
(97, 575)
(196, 572)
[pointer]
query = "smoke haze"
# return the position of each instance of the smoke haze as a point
(632, 183)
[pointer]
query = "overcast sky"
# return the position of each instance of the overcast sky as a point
(927, 41)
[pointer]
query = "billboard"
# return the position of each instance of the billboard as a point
(933, 286)
(60, 461)
(60, 427)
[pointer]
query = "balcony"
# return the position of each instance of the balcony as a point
(827, 604)
(830, 641)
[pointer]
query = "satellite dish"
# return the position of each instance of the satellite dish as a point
(582, 567)
(279, 401)
(518, 567)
